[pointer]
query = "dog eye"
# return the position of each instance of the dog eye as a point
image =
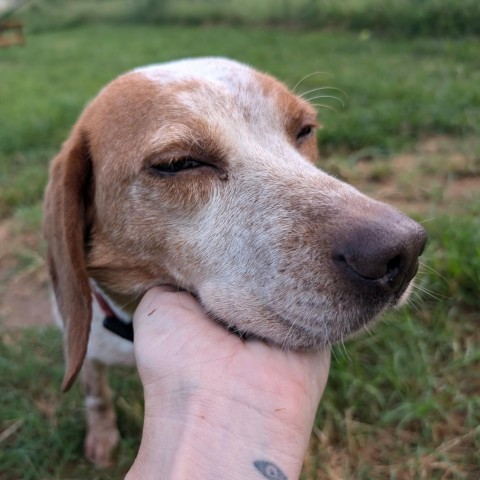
(175, 166)
(304, 132)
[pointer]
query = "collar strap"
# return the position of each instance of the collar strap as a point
(111, 321)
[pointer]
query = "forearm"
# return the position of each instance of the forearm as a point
(215, 436)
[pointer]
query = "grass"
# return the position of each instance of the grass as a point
(48, 427)
(401, 404)
(463, 234)
(395, 95)
(401, 18)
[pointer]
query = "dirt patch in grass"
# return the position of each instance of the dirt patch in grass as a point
(25, 302)
(439, 175)
(377, 453)
(23, 279)
(463, 189)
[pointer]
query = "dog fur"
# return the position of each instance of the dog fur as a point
(271, 245)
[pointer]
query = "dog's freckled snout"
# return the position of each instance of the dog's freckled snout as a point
(382, 253)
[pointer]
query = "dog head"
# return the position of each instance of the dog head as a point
(201, 174)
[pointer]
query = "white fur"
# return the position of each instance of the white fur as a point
(239, 239)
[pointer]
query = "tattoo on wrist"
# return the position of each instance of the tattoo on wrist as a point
(269, 470)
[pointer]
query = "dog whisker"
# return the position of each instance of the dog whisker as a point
(368, 330)
(324, 106)
(435, 272)
(288, 335)
(333, 97)
(310, 75)
(414, 301)
(334, 354)
(427, 220)
(430, 293)
(323, 88)
(343, 348)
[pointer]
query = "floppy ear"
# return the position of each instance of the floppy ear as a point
(65, 228)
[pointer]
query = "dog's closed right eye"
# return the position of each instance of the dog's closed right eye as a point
(178, 165)
(184, 163)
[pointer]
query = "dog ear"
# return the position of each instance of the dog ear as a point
(65, 229)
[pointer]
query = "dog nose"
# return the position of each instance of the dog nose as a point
(382, 251)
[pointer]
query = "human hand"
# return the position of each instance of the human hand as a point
(253, 399)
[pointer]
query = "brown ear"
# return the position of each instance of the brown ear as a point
(65, 228)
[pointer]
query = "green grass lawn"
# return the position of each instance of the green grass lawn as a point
(403, 403)
(397, 93)
(400, 18)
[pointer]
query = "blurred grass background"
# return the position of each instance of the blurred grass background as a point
(401, 404)
(391, 17)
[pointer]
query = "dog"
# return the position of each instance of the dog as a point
(200, 173)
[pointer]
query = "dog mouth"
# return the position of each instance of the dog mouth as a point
(317, 310)
(301, 319)
(297, 331)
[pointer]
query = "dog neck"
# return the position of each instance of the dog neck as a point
(118, 320)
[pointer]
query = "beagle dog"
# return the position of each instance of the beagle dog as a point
(201, 174)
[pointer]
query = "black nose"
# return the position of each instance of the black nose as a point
(382, 250)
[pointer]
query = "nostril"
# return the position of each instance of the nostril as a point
(381, 253)
(373, 266)
(370, 263)
(393, 268)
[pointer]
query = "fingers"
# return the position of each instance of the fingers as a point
(165, 310)
(152, 297)
(163, 298)
(167, 317)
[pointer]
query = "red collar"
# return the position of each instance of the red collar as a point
(111, 321)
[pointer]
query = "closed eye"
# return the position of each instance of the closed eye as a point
(175, 166)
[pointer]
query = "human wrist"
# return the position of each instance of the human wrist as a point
(219, 434)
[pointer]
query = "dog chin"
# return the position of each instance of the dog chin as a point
(302, 336)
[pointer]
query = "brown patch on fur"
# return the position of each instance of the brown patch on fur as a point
(65, 229)
(110, 153)
(122, 276)
(297, 114)
(309, 148)
(150, 128)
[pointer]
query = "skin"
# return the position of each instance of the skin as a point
(215, 405)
